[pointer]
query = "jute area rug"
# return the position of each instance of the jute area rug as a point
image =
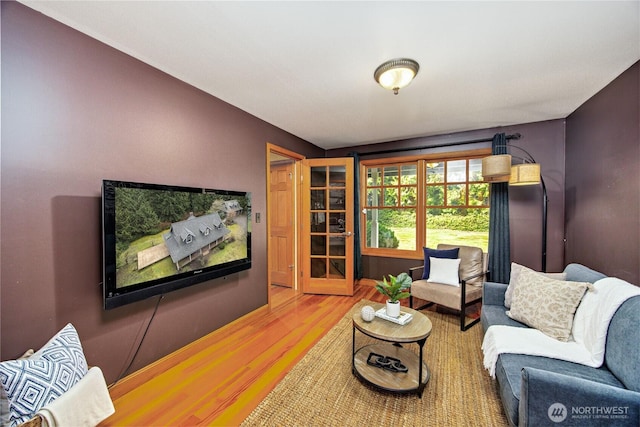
(321, 390)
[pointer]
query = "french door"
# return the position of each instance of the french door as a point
(327, 226)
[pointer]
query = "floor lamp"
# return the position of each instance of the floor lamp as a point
(498, 168)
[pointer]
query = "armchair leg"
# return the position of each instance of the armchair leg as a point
(422, 307)
(463, 326)
(463, 306)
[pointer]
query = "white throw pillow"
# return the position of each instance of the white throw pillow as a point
(444, 271)
(546, 304)
(515, 272)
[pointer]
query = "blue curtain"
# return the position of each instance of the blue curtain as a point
(357, 250)
(499, 240)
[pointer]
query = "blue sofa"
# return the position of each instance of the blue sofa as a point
(540, 391)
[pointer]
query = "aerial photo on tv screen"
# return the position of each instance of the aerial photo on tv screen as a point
(161, 233)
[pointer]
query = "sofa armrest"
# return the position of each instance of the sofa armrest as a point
(493, 293)
(545, 394)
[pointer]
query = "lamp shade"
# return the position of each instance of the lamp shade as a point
(396, 73)
(496, 168)
(525, 174)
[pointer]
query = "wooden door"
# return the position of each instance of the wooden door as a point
(327, 226)
(281, 238)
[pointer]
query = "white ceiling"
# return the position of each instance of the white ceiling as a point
(307, 67)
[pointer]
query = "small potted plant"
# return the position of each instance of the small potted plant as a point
(396, 288)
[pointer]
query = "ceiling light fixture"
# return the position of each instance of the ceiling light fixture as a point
(396, 73)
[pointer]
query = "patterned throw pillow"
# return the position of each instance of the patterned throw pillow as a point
(515, 272)
(5, 417)
(546, 304)
(32, 383)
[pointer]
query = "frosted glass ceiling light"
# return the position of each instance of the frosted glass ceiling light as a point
(396, 73)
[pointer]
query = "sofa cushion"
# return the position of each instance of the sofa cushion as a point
(496, 315)
(513, 279)
(436, 253)
(546, 304)
(444, 271)
(30, 384)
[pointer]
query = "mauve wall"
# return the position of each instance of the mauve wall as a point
(75, 111)
(603, 180)
(545, 142)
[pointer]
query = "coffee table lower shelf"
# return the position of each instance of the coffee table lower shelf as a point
(398, 382)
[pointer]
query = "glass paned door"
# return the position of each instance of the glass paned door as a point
(328, 226)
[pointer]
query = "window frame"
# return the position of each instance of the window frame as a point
(421, 205)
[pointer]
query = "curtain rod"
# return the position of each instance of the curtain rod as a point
(446, 144)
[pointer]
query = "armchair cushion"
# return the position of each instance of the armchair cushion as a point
(451, 253)
(444, 295)
(444, 271)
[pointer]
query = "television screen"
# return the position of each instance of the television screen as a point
(159, 238)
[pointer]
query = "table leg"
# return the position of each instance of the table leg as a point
(420, 361)
(353, 350)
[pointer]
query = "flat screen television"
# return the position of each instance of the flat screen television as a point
(160, 238)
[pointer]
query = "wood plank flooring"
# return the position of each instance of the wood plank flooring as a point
(219, 379)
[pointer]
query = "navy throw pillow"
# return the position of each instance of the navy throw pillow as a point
(437, 253)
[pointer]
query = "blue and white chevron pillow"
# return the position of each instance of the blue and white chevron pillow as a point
(32, 383)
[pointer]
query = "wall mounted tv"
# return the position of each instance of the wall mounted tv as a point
(159, 238)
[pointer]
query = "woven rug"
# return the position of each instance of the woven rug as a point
(321, 390)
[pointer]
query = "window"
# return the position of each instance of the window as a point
(424, 202)
(391, 206)
(457, 203)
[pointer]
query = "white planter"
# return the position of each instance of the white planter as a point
(393, 308)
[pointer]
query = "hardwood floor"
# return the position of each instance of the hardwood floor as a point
(219, 379)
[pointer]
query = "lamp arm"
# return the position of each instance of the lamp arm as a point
(530, 158)
(545, 202)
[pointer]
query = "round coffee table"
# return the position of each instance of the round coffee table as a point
(387, 365)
